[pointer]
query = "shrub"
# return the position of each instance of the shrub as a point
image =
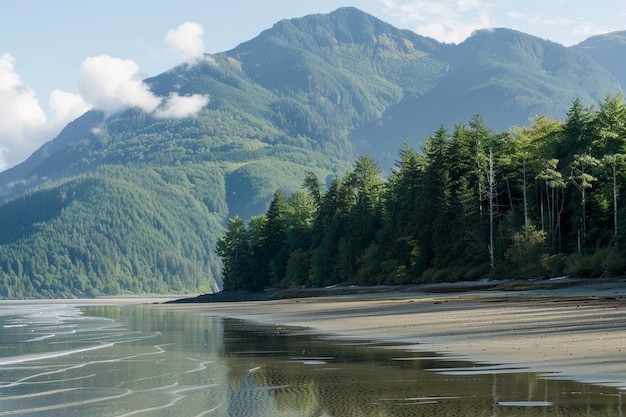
(555, 264)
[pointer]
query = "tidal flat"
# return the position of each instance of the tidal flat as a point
(318, 357)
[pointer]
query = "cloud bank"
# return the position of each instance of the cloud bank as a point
(104, 82)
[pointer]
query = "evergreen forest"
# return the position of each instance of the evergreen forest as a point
(472, 203)
(133, 202)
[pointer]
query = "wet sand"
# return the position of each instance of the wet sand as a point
(577, 332)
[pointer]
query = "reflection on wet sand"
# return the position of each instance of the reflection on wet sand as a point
(145, 361)
(306, 375)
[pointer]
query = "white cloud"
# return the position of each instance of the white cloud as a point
(23, 123)
(19, 104)
(179, 107)
(67, 106)
(10, 79)
(105, 83)
(112, 84)
(186, 41)
(446, 21)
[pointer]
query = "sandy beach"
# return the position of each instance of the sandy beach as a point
(576, 332)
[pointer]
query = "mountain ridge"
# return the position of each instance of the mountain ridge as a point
(608, 50)
(307, 95)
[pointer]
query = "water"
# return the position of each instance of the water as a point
(65, 360)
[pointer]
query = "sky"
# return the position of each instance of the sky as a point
(61, 58)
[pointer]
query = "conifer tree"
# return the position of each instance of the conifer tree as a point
(234, 249)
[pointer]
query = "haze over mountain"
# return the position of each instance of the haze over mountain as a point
(134, 201)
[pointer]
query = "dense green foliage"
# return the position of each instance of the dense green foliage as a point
(130, 202)
(136, 228)
(107, 233)
(543, 201)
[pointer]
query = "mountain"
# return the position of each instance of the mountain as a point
(608, 50)
(506, 76)
(132, 202)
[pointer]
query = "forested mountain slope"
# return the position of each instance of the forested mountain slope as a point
(608, 50)
(132, 202)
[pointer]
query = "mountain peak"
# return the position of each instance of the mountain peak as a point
(604, 40)
(501, 34)
(609, 50)
(346, 25)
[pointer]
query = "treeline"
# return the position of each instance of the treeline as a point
(536, 201)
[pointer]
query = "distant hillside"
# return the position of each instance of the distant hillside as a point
(134, 203)
(506, 76)
(608, 50)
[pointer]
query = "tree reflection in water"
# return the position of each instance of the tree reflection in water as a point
(303, 374)
(162, 362)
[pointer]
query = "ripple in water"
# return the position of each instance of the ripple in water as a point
(65, 360)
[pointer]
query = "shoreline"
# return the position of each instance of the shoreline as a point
(571, 332)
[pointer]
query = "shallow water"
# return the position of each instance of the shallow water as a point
(65, 360)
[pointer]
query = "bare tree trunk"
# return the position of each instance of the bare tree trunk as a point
(525, 200)
(492, 191)
(615, 201)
